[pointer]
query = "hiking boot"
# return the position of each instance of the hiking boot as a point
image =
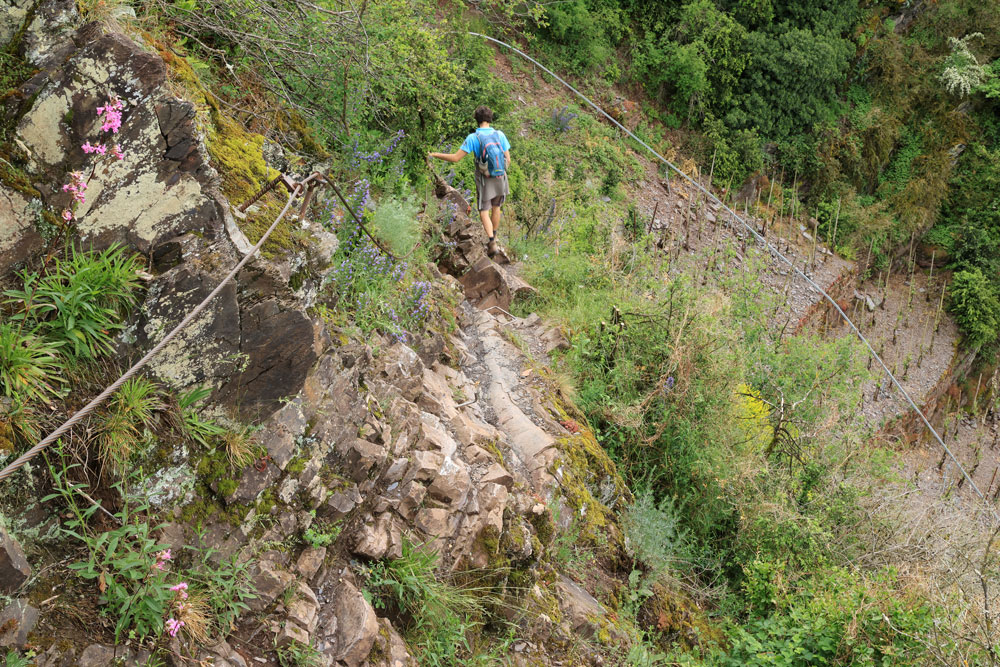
(491, 248)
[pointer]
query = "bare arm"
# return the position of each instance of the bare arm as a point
(506, 157)
(449, 157)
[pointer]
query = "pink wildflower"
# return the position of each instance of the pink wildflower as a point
(67, 215)
(161, 559)
(182, 589)
(76, 186)
(112, 113)
(94, 148)
(117, 152)
(173, 626)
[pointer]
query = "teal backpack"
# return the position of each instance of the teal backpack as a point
(490, 158)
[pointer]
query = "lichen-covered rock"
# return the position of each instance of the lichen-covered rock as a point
(309, 562)
(12, 14)
(390, 649)
(270, 581)
(581, 610)
(161, 188)
(281, 431)
(16, 621)
(304, 607)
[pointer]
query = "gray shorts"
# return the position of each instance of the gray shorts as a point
(491, 191)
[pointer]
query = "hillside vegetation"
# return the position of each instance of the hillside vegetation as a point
(769, 522)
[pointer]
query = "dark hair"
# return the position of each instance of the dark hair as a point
(484, 115)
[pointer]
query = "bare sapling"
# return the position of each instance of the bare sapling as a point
(930, 278)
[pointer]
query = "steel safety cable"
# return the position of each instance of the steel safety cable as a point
(100, 398)
(774, 251)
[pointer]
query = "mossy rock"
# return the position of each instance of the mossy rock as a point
(239, 157)
(285, 238)
(678, 620)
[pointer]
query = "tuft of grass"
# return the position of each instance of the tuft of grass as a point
(436, 616)
(28, 364)
(81, 302)
(197, 617)
(130, 413)
(191, 425)
(240, 448)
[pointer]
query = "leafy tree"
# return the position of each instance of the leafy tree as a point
(791, 81)
(975, 305)
(720, 41)
(582, 33)
(675, 73)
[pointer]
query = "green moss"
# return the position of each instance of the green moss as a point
(545, 528)
(215, 471)
(239, 157)
(307, 137)
(297, 464)
(521, 580)
(286, 236)
(198, 511)
(14, 177)
(227, 487)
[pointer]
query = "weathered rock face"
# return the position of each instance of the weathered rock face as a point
(12, 15)
(162, 187)
(14, 568)
(347, 624)
(18, 237)
(16, 622)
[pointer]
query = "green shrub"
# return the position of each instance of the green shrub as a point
(975, 305)
(125, 563)
(655, 535)
(395, 222)
(141, 585)
(377, 292)
(835, 618)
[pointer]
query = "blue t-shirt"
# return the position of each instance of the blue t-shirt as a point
(471, 143)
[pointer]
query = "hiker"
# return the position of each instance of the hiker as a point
(491, 151)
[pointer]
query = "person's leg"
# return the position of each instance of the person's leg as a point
(487, 223)
(495, 218)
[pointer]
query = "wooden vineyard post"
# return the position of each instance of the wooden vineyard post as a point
(836, 219)
(815, 237)
(885, 286)
(868, 260)
(652, 218)
(687, 225)
(791, 218)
